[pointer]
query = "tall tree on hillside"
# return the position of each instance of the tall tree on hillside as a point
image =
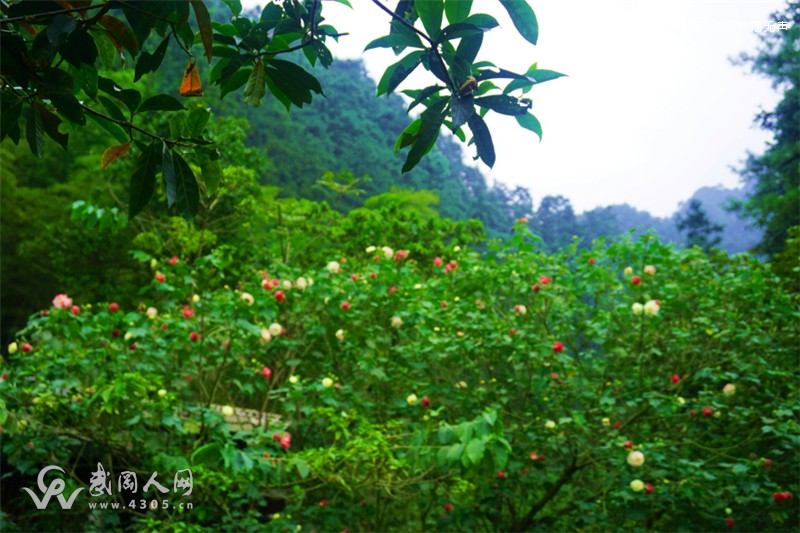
(700, 231)
(775, 174)
(557, 221)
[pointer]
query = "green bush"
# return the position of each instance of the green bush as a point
(510, 390)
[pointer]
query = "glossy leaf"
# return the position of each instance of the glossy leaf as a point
(161, 102)
(483, 139)
(143, 179)
(396, 73)
(523, 18)
(150, 62)
(204, 24)
(430, 13)
(504, 104)
(293, 81)
(69, 107)
(255, 89)
(393, 40)
(457, 10)
(120, 33)
(114, 129)
(196, 121)
(462, 108)
(188, 194)
(530, 122)
(431, 123)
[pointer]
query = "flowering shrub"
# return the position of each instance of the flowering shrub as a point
(587, 403)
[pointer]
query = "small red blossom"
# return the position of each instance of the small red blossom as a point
(373, 275)
(75, 310)
(628, 444)
(188, 313)
(399, 255)
(767, 463)
(501, 474)
(5, 376)
(392, 290)
(116, 333)
(173, 260)
(536, 288)
(544, 280)
(323, 503)
(26, 348)
(164, 326)
(425, 402)
(675, 378)
(729, 522)
(448, 507)
(266, 372)
(345, 305)
(444, 304)
(354, 277)
(512, 331)
(618, 425)
(161, 277)
(113, 307)
(636, 280)
(194, 336)
(591, 260)
(276, 437)
(707, 411)
(437, 262)
(524, 471)
(280, 296)
(779, 497)
(558, 346)
(648, 488)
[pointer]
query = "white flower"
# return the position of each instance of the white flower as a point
(418, 286)
(327, 383)
(266, 335)
(729, 389)
(340, 334)
(276, 329)
(301, 283)
(628, 271)
(397, 321)
(457, 249)
(286, 284)
(521, 309)
(247, 298)
(636, 459)
(371, 249)
(637, 309)
(227, 410)
(12, 348)
(128, 336)
(652, 308)
(637, 485)
(151, 312)
(650, 270)
(550, 424)
(162, 392)
(412, 399)
(681, 400)
(310, 281)
(196, 298)
(334, 267)
(293, 379)
(388, 253)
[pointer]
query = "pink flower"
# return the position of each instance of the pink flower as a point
(286, 440)
(266, 372)
(345, 305)
(280, 296)
(636, 280)
(62, 301)
(75, 310)
(113, 307)
(437, 262)
(444, 304)
(173, 260)
(400, 255)
(392, 290)
(160, 277)
(558, 346)
(544, 280)
(188, 313)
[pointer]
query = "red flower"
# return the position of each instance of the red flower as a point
(448, 507)
(648, 488)
(501, 474)
(544, 280)
(591, 260)
(558, 346)
(5, 376)
(161, 277)
(194, 336)
(767, 463)
(354, 277)
(729, 521)
(675, 378)
(26, 347)
(392, 290)
(536, 288)
(425, 402)
(187, 313)
(323, 503)
(618, 425)
(636, 280)
(628, 444)
(276, 437)
(400, 255)
(373, 275)
(173, 260)
(75, 310)
(444, 304)
(779, 497)
(266, 372)
(280, 296)
(708, 411)
(345, 305)
(115, 333)
(437, 262)
(113, 307)
(512, 331)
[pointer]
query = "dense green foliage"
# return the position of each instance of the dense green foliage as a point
(775, 175)
(699, 229)
(472, 393)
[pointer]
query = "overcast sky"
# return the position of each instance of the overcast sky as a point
(652, 108)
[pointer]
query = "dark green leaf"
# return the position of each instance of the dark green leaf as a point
(196, 121)
(10, 112)
(150, 62)
(457, 10)
(483, 139)
(271, 15)
(129, 97)
(51, 122)
(432, 119)
(111, 107)
(235, 81)
(142, 18)
(523, 18)
(60, 27)
(483, 21)
(462, 108)
(27, 9)
(530, 122)
(86, 77)
(168, 172)
(396, 73)
(408, 135)
(419, 95)
(434, 63)
(459, 30)
(475, 450)
(55, 81)
(188, 197)
(504, 104)
(396, 40)
(35, 132)
(114, 129)
(255, 89)
(293, 81)
(212, 175)
(469, 47)
(79, 48)
(69, 107)
(430, 13)
(106, 49)
(161, 102)
(325, 56)
(234, 5)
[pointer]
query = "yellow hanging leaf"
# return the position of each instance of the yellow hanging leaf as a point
(113, 153)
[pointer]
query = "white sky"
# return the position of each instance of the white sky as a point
(652, 108)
